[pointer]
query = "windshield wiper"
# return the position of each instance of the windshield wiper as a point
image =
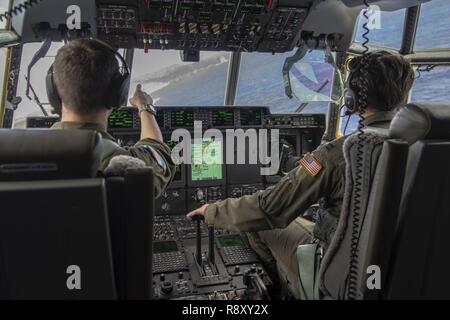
(305, 104)
(35, 98)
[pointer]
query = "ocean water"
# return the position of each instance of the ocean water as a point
(261, 82)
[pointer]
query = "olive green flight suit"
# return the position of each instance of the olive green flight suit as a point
(272, 218)
(154, 153)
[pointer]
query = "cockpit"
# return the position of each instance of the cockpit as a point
(254, 87)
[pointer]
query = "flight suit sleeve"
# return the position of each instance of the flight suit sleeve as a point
(157, 155)
(279, 205)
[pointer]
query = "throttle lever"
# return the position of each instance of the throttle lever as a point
(198, 219)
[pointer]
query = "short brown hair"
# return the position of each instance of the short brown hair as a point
(83, 70)
(390, 79)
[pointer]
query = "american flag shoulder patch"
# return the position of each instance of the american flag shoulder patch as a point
(311, 165)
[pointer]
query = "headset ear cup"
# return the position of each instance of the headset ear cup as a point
(52, 92)
(350, 100)
(118, 91)
(124, 90)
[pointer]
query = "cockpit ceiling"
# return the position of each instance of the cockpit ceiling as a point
(239, 26)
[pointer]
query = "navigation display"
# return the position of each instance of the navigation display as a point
(207, 161)
(121, 119)
(222, 118)
(251, 117)
(231, 241)
(182, 118)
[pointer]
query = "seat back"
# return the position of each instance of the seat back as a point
(54, 229)
(374, 179)
(420, 264)
(131, 217)
(48, 154)
(405, 218)
(55, 212)
(47, 228)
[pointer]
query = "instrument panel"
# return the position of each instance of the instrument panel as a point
(170, 118)
(220, 25)
(195, 185)
(229, 268)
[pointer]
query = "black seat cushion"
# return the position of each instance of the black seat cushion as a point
(48, 154)
(422, 121)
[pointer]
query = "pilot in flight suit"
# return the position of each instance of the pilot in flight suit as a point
(155, 154)
(272, 217)
(276, 210)
(84, 83)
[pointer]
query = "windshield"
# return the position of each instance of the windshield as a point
(261, 82)
(29, 107)
(172, 82)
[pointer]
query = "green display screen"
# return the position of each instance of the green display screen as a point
(120, 119)
(222, 118)
(182, 119)
(207, 161)
(231, 241)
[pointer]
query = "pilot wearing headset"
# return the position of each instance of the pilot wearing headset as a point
(271, 217)
(85, 83)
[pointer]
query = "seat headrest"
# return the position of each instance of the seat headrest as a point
(36, 154)
(422, 121)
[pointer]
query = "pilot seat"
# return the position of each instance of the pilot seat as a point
(66, 232)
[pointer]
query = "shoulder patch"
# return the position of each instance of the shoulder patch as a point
(311, 165)
(159, 159)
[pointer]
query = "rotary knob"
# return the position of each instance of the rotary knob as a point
(199, 195)
(165, 207)
(166, 287)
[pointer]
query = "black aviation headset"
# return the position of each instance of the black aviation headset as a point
(351, 95)
(117, 90)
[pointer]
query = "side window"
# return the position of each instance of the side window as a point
(261, 82)
(434, 25)
(386, 30)
(29, 107)
(3, 56)
(432, 86)
(4, 5)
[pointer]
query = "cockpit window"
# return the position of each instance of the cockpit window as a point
(29, 107)
(3, 56)
(386, 28)
(172, 82)
(432, 85)
(261, 82)
(434, 25)
(4, 5)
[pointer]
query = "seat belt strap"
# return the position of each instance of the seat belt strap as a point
(308, 257)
